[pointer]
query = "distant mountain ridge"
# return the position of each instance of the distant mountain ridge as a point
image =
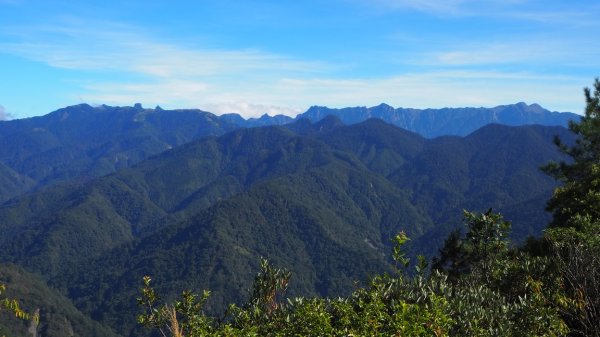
(431, 123)
(83, 142)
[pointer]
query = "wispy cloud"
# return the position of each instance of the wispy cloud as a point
(432, 6)
(253, 82)
(4, 115)
(538, 50)
(172, 73)
(450, 7)
(418, 90)
(250, 109)
(112, 46)
(566, 14)
(170, 92)
(548, 12)
(445, 89)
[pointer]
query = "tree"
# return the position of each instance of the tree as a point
(574, 233)
(12, 306)
(485, 241)
(577, 258)
(579, 196)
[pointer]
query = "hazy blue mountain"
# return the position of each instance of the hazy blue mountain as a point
(82, 142)
(264, 120)
(432, 123)
(12, 183)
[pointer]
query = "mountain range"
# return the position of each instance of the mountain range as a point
(82, 142)
(433, 123)
(194, 199)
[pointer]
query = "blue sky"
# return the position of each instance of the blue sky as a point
(264, 56)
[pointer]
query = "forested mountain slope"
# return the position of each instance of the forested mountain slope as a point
(82, 142)
(322, 199)
(57, 315)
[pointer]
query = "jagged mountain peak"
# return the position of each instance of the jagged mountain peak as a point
(383, 106)
(446, 121)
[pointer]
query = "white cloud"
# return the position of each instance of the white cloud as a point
(536, 50)
(4, 115)
(289, 96)
(250, 109)
(489, 55)
(217, 98)
(172, 75)
(546, 12)
(163, 92)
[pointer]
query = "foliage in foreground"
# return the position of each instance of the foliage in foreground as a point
(12, 306)
(477, 303)
(574, 233)
(50, 313)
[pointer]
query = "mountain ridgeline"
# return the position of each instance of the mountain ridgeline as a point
(320, 198)
(82, 142)
(432, 123)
